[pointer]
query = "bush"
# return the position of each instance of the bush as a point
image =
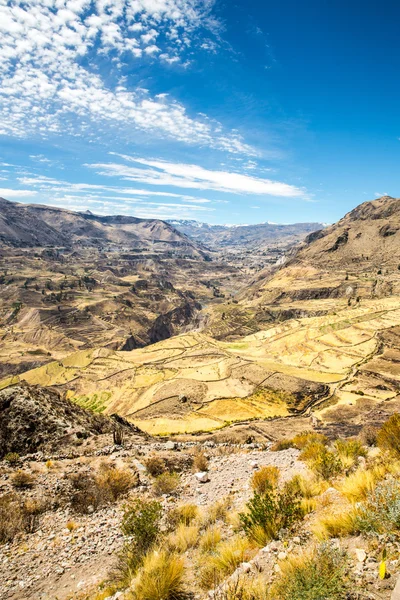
(167, 483)
(269, 513)
(369, 435)
(161, 578)
(200, 462)
(380, 513)
(388, 437)
(348, 451)
(17, 517)
(335, 524)
(96, 490)
(321, 460)
(141, 522)
(359, 484)
(155, 465)
(12, 458)
(116, 482)
(86, 494)
(318, 575)
(22, 479)
(265, 478)
(216, 512)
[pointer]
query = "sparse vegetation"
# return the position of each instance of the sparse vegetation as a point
(185, 513)
(22, 479)
(200, 462)
(388, 437)
(185, 536)
(12, 458)
(141, 523)
(265, 478)
(267, 514)
(210, 538)
(223, 561)
(320, 574)
(166, 483)
(160, 578)
(93, 490)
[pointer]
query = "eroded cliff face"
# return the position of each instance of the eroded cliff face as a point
(174, 321)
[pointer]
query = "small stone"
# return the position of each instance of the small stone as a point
(361, 555)
(202, 477)
(277, 568)
(253, 464)
(170, 445)
(282, 555)
(296, 540)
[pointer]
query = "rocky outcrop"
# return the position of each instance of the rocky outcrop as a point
(34, 418)
(172, 322)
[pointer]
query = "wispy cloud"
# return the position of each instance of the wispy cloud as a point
(9, 193)
(46, 89)
(194, 177)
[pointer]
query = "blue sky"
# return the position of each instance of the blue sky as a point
(224, 112)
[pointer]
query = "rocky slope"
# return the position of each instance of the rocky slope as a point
(249, 236)
(36, 419)
(357, 257)
(24, 225)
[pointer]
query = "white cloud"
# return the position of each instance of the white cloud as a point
(194, 177)
(9, 193)
(45, 89)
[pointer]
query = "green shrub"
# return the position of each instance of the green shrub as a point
(380, 513)
(348, 451)
(326, 464)
(388, 437)
(271, 512)
(318, 575)
(141, 523)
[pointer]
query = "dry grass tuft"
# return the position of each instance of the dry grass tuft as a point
(227, 557)
(155, 465)
(388, 437)
(185, 513)
(166, 483)
(359, 484)
(185, 537)
(335, 524)
(216, 512)
(160, 578)
(210, 538)
(22, 479)
(200, 462)
(265, 478)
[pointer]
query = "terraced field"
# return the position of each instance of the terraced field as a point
(191, 383)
